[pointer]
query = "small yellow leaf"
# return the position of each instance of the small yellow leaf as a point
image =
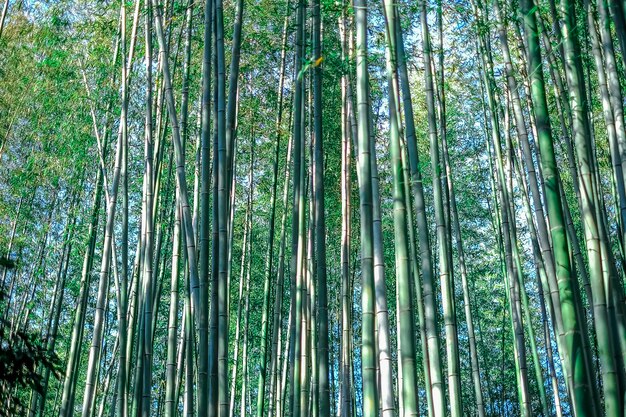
(318, 61)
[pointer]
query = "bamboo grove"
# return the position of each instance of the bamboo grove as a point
(312, 208)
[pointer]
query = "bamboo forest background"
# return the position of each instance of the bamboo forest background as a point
(281, 208)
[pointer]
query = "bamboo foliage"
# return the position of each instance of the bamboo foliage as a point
(126, 291)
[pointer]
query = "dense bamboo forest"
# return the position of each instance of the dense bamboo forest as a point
(312, 208)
